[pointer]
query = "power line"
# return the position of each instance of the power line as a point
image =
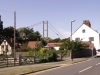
(56, 29)
(6, 11)
(35, 24)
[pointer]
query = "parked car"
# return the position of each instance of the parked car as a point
(98, 53)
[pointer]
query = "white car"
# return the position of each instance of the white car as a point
(98, 53)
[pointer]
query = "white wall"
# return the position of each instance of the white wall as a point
(56, 48)
(9, 48)
(85, 36)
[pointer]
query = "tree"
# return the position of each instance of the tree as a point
(56, 40)
(23, 48)
(1, 30)
(8, 32)
(34, 36)
(46, 39)
(23, 32)
(28, 34)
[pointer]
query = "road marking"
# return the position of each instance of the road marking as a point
(98, 64)
(85, 69)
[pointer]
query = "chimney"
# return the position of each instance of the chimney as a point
(86, 22)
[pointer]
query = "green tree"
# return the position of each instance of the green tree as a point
(55, 40)
(46, 39)
(28, 34)
(8, 32)
(23, 48)
(1, 30)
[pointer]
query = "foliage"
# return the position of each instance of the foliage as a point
(55, 40)
(73, 45)
(27, 33)
(23, 32)
(43, 50)
(46, 39)
(23, 48)
(8, 32)
(1, 31)
(29, 53)
(52, 55)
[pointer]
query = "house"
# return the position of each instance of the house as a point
(86, 34)
(7, 45)
(55, 46)
(33, 44)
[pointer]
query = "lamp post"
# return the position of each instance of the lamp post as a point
(71, 39)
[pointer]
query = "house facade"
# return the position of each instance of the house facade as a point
(85, 33)
(7, 46)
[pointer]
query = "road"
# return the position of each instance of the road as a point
(91, 67)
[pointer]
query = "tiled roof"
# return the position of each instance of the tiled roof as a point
(32, 44)
(89, 44)
(53, 44)
(10, 41)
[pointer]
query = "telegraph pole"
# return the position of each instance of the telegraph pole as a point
(14, 36)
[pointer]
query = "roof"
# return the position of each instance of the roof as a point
(89, 44)
(54, 44)
(10, 41)
(32, 44)
(88, 27)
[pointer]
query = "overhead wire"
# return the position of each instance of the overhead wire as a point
(56, 29)
(6, 11)
(34, 24)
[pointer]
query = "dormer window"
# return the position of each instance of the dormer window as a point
(83, 31)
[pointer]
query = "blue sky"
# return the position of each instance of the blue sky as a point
(58, 12)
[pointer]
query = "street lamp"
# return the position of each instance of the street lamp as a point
(71, 38)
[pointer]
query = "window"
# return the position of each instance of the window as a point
(83, 31)
(77, 39)
(2, 47)
(91, 38)
(6, 47)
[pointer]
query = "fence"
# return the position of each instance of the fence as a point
(6, 61)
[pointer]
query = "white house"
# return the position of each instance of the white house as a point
(7, 46)
(86, 33)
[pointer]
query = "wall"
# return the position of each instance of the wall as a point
(9, 48)
(85, 36)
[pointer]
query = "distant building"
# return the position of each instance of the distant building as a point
(55, 46)
(8, 46)
(33, 44)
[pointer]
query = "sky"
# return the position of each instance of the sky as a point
(58, 13)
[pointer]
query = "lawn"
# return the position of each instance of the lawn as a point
(19, 71)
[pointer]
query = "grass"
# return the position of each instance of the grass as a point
(19, 71)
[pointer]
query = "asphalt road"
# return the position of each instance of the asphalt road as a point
(91, 67)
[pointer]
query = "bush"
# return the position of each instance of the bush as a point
(43, 60)
(52, 55)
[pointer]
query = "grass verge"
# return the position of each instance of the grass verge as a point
(21, 71)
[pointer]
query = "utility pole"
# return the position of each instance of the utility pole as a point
(44, 28)
(14, 36)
